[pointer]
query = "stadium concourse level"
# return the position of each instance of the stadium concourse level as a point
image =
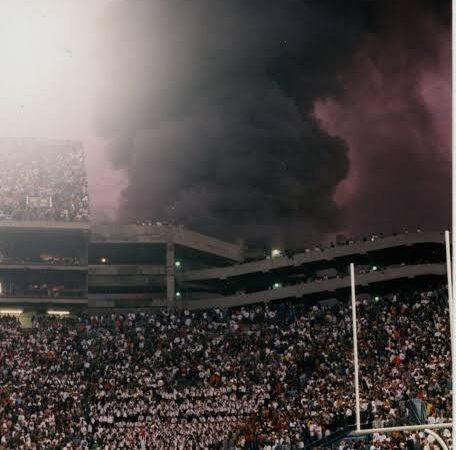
(262, 377)
(45, 259)
(43, 180)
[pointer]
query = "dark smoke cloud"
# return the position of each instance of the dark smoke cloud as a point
(209, 106)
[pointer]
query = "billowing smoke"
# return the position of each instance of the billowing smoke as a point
(395, 117)
(209, 106)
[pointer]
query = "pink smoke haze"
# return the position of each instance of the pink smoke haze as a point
(435, 88)
(105, 184)
(395, 116)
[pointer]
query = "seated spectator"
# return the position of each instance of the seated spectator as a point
(259, 377)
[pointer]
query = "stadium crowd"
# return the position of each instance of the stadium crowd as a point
(252, 378)
(43, 180)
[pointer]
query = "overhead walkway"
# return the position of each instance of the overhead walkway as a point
(318, 286)
(326, 254)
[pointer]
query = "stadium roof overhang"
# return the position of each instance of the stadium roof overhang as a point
(165, 234)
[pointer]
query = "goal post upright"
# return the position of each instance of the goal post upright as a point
(427, 428)
(449, 282)
(452, 296)
(450, 264)
(355, 345)
(451, 307)
(453, 217)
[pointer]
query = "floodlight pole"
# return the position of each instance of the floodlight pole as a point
(355, 345)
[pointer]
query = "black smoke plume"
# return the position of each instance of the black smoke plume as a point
(208, 105)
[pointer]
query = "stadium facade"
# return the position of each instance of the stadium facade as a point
(52, 258)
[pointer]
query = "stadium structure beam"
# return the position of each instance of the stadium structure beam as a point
(170, 275)
(355, 345)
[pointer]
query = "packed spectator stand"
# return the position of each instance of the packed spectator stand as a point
(265, 377)
(43, 180)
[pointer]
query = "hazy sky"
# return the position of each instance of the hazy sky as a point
(49, 81)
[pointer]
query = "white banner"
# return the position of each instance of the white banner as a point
(38, 202)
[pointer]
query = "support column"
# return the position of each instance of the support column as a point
(170, 278)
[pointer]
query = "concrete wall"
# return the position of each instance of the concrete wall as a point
(106, 303)
(37, 266)
(155, 234)
(42, 301)
(42, 225)
(128, 233)
(208, 244)
(125, 269)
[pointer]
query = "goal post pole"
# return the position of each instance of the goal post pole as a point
(355, 345)
(449, 280)
(441, 442)
(453, 216)
(452, 323)
(435, 426)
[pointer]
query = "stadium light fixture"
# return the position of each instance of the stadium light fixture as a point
(53, 312)
(277, 285)
(275, 253)
(103, 260)
(11, 312)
